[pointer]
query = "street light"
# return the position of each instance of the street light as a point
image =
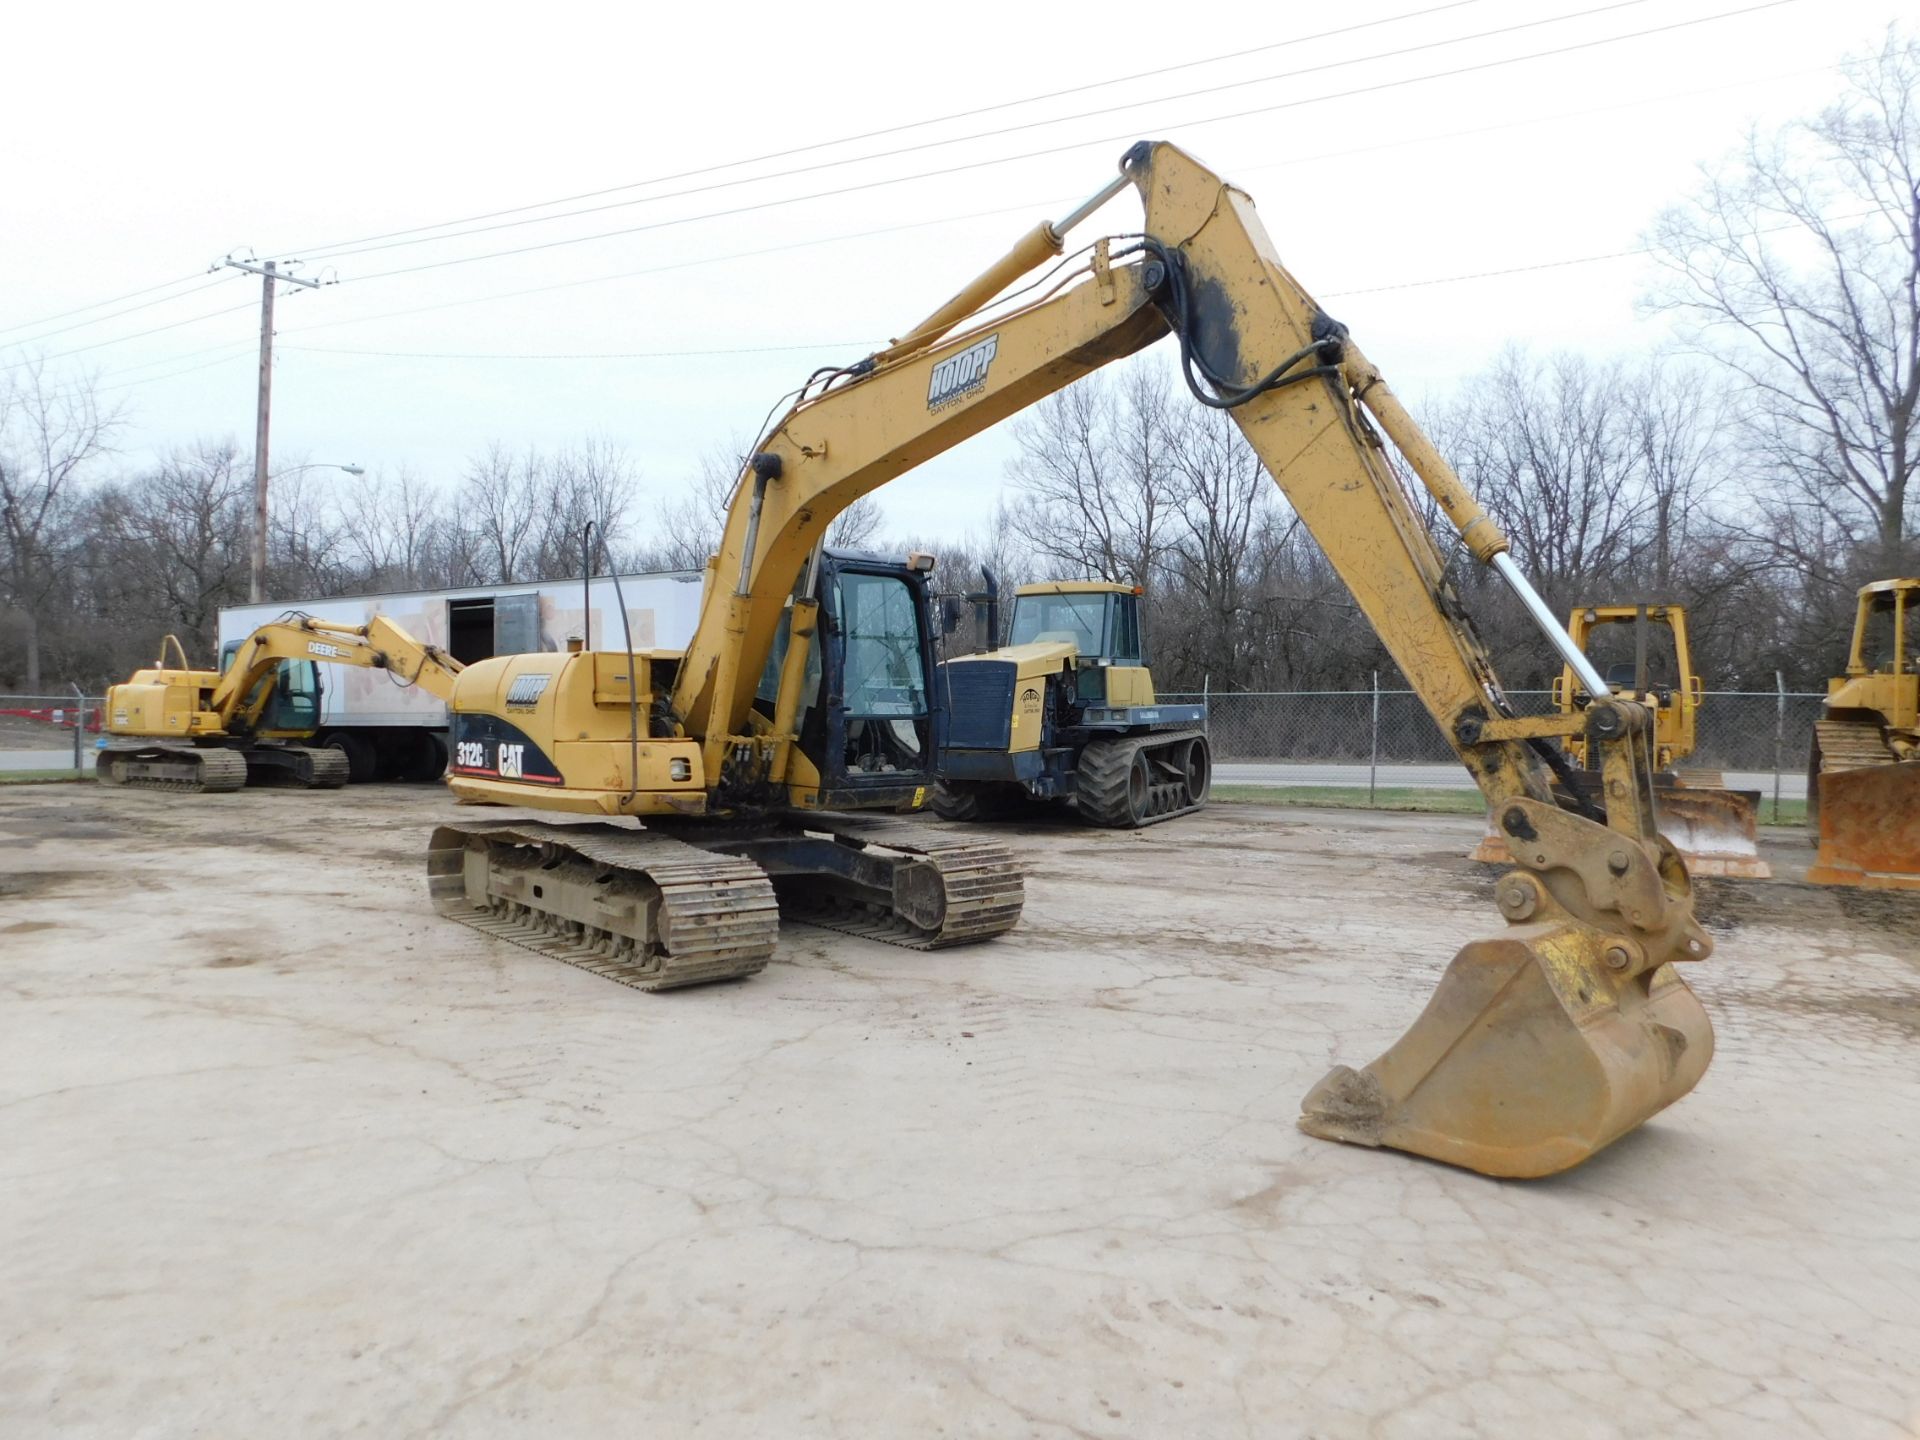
(257, 584)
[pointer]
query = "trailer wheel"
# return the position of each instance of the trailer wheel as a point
(428, 761)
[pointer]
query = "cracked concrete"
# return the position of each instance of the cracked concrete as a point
(283, 1154)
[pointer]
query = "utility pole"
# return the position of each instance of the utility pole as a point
(271, 276)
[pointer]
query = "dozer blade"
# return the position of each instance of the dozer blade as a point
(1870, 827)
(1551, 1041)
(1715, 831)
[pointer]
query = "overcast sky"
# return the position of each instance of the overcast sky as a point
(145, 141)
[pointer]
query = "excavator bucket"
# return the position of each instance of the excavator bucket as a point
(1534, 1053)
(1715, 831)
(1869, 827)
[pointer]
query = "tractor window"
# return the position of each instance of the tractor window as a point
(884, 674)
(1126, 630)
(1078, 620)
(1880, 645)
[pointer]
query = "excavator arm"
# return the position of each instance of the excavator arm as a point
(239, 697)
(1540, 1046)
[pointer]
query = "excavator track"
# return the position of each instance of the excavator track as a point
(1110, 790)
(636, 907)
(180, 769)
(304, 767)
(951, 890)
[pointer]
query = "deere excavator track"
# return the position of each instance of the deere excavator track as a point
(180, 769)
(1143, 779)
(300, 766)
(947, 890)
(636, 907)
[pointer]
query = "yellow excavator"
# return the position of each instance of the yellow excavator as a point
(1714, 828)
(173, 727)
(803, 695)
(1863, 775)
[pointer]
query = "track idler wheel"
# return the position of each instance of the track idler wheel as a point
(1547, 1044)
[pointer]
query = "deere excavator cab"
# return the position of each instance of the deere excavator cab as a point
(1863, 774)
(292, 708)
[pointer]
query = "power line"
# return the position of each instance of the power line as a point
(122, 339)
(925, 145)
(1027, 207)
(112, 315)
(82, 309)
(863, 186)
(899, 129)
(903, 179)
(695, 263)
(583, 354)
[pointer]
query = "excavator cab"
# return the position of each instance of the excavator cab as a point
(292, 710)
(872, 739)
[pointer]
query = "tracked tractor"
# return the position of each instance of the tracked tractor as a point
(1863, 774)
(1717, 829)
(1065, 715)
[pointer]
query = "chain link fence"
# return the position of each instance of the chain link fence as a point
(1373, 738)
(48, 732)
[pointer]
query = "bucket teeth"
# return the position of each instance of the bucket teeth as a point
(1534, 1053)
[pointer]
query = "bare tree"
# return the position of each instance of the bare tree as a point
(49, 436)
(173, 546)
(389, 529)
(1094, 479)
(1797, 265)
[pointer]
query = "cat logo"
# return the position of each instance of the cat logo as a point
(526, 690)
(1030, 701)
(958, 376)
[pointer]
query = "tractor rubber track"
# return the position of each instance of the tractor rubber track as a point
(181, 770)
(1103, 780)
(641, 909)
(975, 887)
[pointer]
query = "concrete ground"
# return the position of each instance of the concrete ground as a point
(284, 1154)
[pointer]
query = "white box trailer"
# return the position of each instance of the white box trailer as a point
(389, 730)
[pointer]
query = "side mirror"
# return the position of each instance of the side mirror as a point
(952, 611)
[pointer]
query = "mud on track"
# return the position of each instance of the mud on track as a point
(284, 1153)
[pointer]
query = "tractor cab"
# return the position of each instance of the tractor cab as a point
(1101, 621)
(1883, 662)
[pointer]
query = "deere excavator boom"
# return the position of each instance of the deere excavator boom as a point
(1539, 1047)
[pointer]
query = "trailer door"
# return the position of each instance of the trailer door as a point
(516, 624)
